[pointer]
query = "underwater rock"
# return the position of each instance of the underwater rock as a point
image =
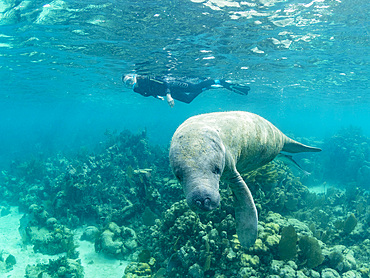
(51, 222)
(351, 274)
(110, 245)
(137, 270)
(247, 272)
(300, 227)
(38, 213)
(310, 251)
(249, 260)
(195, 271)
(61, 267)
(300, 274)
(10, 261)
(288, 243)
(4, 210)
(114, 228)
(362, 252)
(115, 241)
(268, 235)
(276, 266)
(342, 259)
(129, 238)
(284, 269)
(336, 259)
(329, 273)
(272, 241)
(314, 274)
(231, 255)
(287, 271)
(90, 233)
(52, 241)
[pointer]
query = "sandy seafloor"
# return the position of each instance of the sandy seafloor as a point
(94, 264)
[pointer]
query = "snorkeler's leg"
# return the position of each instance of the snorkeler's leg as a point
(187, 95)
(206, 84)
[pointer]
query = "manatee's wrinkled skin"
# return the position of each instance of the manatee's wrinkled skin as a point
(208, 146)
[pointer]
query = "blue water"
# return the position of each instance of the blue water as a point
(307, 63)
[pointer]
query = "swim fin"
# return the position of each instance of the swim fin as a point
(236, 88)
(240, 89)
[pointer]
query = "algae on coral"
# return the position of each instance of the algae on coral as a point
(311, 251)
(288, 243)
(349, 224)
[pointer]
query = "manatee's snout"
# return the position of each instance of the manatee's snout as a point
(203, 199)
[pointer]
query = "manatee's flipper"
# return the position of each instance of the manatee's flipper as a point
(292, 146)
(245, 212)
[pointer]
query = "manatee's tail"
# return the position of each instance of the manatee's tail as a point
(292, 146)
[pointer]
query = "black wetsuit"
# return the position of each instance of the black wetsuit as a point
(180, 89)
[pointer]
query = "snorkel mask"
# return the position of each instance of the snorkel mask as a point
(130, 80)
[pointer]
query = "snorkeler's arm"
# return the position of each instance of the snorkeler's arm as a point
(169, 98)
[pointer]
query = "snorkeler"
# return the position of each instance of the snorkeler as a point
(182, 89)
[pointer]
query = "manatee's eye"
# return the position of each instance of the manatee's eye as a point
(216, 170)
(178, 176)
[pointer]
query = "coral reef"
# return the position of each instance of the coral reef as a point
(347, 157)
(117, 242)
(311, 251)
(132, 208)
(211, 249)
(46, 234)
(288, 243)
(90, 233)
(59, 268)
(134, 270)
(276, 188)
(75, 189)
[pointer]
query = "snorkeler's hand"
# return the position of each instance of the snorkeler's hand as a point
(170, 100)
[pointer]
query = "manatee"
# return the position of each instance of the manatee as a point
(226, 144)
